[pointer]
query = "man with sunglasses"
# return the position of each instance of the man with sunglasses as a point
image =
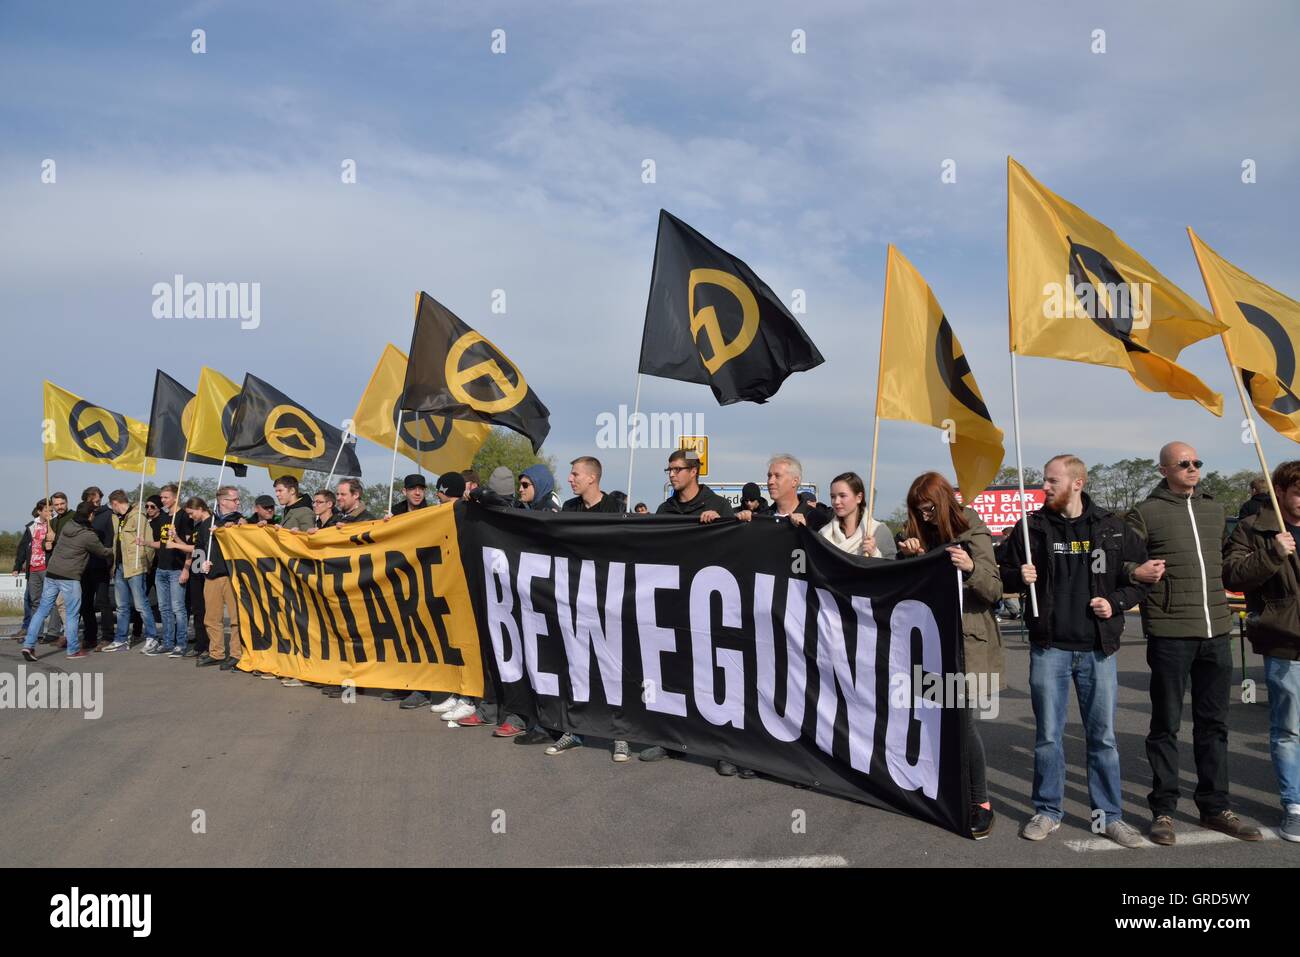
(1186, 621)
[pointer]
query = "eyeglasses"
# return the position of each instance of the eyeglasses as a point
(1185, 464)
(926, 508)
(320, 501)
(674, 469)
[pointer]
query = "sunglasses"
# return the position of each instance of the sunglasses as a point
(1185, 464)
(525, 484)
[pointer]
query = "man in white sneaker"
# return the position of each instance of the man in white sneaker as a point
(131, 535)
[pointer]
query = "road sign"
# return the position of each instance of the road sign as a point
(700, 443)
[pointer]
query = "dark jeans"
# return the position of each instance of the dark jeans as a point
(194, 592)
(95, 592)
(979, 788)
(1209, 664)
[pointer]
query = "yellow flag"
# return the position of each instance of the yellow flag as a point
(1078, 292)
(438, 444)
(80, 431)
(924, 377)
(1262, 340)
(207, 418)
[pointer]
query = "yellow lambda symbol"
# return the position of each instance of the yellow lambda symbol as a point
(298, 437)
(707, 318)
(457, 378)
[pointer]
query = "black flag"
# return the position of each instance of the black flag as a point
(710, 320)
(270, 427)
(454, 371)
(169, 424)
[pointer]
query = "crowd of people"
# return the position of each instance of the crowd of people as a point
(1086, 566)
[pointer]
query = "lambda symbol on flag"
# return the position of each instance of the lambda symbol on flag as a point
(95, 427)
(954, 369)
(406, 428)
(291, 431)
(707, 318)
(493, 367)
(1283, 351)
(1125, 305)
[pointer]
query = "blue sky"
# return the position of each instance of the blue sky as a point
(522, 172)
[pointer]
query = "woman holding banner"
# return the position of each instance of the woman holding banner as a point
(848, 531)
(935, 518)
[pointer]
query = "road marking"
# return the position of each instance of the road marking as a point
(823, 860)
(1192, 839)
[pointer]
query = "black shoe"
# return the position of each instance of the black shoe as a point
(727, 769)
(28, 653)
(981, 822)
(655, 753)
(746, 774)
(416, 699)
(535, 736)
(333, 691)
(228, 663)
(205, 662)
(391, 695)
(192, 652)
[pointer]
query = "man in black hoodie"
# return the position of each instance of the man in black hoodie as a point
(95, 579)
(1258, 499)
(1079, 551)
(689, 496)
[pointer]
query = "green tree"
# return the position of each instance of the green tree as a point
(1230, 491)
(1007, 476)
(510, 449)
(1121, 485)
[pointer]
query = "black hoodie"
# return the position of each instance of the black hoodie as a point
(705, 500)
(1077, 560)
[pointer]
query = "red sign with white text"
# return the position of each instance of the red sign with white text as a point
(998, 506)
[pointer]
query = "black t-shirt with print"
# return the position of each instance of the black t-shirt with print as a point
(171, 559)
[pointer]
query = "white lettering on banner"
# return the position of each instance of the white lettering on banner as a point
(844, 682)
(533, 625)
(709, 581)
(858, 690)
(583, 631)
(655, 639)
(909, 616)
(500, 602)
(785, 727)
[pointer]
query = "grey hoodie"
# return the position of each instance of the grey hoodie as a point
(502, 481)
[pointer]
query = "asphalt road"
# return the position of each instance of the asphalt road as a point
(285, 776)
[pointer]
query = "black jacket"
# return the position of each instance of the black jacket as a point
(607, 503)
(101, 522)
(402, 507)
(1253, 504)
(705, 500)
(1113, 544)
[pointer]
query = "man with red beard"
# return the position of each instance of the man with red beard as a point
(1079, 551)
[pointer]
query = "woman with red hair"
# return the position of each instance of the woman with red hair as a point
(935, 518)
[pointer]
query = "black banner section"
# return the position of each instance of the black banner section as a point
(711, 320)
(756, 643)
(272, 429)
(169, 420)
(454, 371)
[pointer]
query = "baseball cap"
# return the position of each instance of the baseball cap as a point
(415, 480)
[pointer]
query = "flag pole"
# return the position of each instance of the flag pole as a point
(880, 373)
(392, 471)
(631, 451)
(1015, 404)
(180, 485)
(1245, 403)
(139, 509)
(220, 475)
(342, 442)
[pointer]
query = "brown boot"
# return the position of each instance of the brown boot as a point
(1162, 830)
(1228, 823)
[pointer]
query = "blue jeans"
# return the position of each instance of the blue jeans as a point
(71, 592)
(171, 602)
(1283, 679)
(1096, 680)
(130, 591)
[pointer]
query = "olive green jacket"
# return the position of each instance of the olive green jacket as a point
(1189, 533)
(981, 590)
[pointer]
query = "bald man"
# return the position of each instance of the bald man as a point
(1186, 622)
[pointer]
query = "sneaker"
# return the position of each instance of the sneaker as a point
(507, 730)
(1125, 835)
(267, 676)
(29, 653)
(621, 752)
(333, 691)
(79, 654)
(291, 682)
(1290, 829)
(535, 736)
(655, 753)
(229, 664)
(392, 695)
(116, 646)
(446, 704)
(149, 647)
(981, 821)
(727, 769)
(746, 774)
(192, 653)
(567, 742)
(209, 661)
(178, 653)
(471, 720)
(1228, 823)
(156, 651)
(1038, 827)
(416, 699)
(462, 710)
(1162, 830)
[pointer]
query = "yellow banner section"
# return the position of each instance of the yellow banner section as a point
(383, 604)
(80, 431)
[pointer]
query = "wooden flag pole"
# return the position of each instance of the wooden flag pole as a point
(221, 473)
(880, 375)
(180, 485)
(631, 450)
(139, 509)
(392, 471)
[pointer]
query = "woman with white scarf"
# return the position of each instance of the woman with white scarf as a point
(845, 531)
